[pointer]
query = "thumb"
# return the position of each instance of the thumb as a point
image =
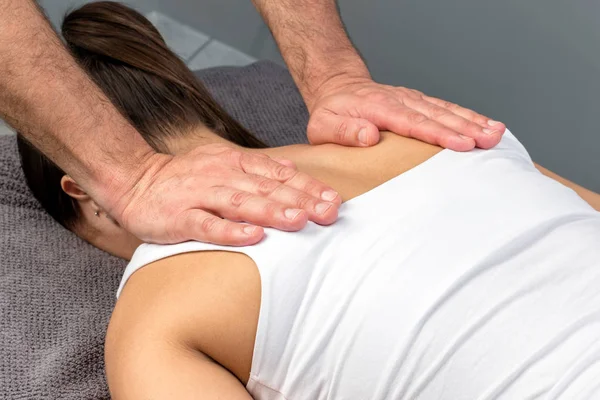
(328, 127)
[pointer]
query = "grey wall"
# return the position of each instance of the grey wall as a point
(533, 64)
(56, 9)
(235, 22)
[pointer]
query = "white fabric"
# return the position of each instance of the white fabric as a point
(471, 276)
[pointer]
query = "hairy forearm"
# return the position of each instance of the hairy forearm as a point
(52, 102)
(313, 42)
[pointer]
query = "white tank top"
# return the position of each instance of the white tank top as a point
(471, 276)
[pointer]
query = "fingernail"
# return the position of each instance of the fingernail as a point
(464, 137)
(491, 122)
(249, 230)
(322, 208)
(329, 195)
(362, 136)
(488, 131)
(292, 213)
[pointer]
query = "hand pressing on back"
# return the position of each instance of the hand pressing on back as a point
(180, 198)
(351, 111)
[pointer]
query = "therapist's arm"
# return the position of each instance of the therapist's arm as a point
(159, 198)
(345, 104)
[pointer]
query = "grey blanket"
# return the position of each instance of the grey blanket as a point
(57, 292)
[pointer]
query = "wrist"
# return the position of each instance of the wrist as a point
(332, 72)
(123, 168)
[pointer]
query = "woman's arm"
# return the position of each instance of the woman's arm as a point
(146, 366)
(184, 328)
(592, 198)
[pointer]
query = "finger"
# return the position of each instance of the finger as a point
(328, 127)
(202, 226)
(268, 168)
(471, 115)
(319, 211)
(484, 137)
(238, 205)
(411, 123)
(286, 162)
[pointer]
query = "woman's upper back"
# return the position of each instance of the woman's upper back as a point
(426, 282)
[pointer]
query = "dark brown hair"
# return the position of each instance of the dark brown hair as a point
(128, 59)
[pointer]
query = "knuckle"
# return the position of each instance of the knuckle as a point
(416, 118)
(341, 132)
(465, 125)
(238, 199)
(480, 119)
(470, 125)
(270, 210)
(304, 202)
(209, 224)
(311, 186)
(438, 112)
(267, 187)
(449, 105)
(283, 173)
(416, 93)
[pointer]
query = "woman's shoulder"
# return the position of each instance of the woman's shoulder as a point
(207, 300)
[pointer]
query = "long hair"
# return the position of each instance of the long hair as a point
(150, 86)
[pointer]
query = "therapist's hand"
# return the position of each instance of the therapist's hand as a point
(351, 111)
(181, 198)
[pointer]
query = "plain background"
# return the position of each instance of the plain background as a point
(532, 64)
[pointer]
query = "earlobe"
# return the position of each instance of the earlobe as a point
(70, 187)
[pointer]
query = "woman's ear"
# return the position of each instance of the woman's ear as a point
(70, 187)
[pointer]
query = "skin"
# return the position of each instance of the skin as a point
(187, 324)
(172, 198)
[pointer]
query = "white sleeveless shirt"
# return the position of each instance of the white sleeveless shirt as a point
(471, 276)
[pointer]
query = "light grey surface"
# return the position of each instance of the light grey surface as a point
(235, 22)
(5, 130)
(182, 39)
(216, 53)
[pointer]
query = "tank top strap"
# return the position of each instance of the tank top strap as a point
(148, 253)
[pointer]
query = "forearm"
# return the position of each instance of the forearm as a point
(313, 42)
(53, 103)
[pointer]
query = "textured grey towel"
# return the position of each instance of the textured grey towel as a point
(57, 292)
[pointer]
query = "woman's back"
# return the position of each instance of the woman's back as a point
(469, 276)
